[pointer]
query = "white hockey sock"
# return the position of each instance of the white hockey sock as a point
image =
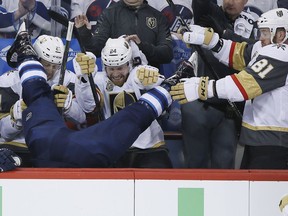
(31, 70)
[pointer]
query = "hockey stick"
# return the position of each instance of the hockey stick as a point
(200, 52)
(66, 51)
(64, 21)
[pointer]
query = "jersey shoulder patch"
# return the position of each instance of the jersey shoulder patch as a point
(275, 51)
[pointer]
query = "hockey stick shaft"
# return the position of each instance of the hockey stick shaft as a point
(199, 50)
(64, 21)
(66, 51)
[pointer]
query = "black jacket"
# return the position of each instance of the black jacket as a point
(148, 23)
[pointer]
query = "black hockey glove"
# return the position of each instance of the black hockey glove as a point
(210, 21)
(8, 160)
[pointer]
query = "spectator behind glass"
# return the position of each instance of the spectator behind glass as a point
(143, 24)
(91, 8)
(257, 7)
(210, 127)
(12, 13)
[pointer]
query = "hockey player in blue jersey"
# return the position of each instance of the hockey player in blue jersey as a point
(262, 82)
(49, 140)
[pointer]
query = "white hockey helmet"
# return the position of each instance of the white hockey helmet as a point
(273, 19)
(116, 52)
(49, 48)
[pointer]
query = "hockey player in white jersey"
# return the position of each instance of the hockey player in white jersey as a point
(50, 51)
(52, 144)
(262, 81)
(122, 84)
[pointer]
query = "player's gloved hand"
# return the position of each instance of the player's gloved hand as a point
(62, 96)
(210, 21)
(16, 114)
(147, 77)
(8, 160)
(204, 37)
(192, 89)
(84, 65)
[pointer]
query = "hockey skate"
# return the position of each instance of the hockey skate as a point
(21, 48)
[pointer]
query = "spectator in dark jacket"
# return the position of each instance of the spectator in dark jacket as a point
(138, 21)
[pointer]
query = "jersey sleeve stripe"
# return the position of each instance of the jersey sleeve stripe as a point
(240, 87)
(231, 54)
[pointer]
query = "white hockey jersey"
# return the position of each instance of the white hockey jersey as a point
(10, 92)
(264, 84)
(115, 99)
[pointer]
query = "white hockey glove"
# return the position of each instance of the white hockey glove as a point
(62, 96)
(85, 64)
(148, 77)
(16, 114)
(193, 89)
(201, 36)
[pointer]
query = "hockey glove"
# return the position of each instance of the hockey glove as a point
(84, 65)
(62, 96)
(192, 89)
(147, 77)
(8, 160)
(204, 37)
(16, 114)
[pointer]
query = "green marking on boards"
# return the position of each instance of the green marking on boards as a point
(190, 201)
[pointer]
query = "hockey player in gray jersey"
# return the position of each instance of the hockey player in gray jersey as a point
(262, 81)
(122, 84)
(50, 51)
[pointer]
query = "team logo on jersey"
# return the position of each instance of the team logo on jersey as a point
(119, 101)
(151, 22)
(109, 86)
(280, 46)
(279, 13)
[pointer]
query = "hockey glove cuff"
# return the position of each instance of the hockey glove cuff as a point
(192, 89)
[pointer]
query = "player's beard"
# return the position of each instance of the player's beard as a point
(118, 80)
